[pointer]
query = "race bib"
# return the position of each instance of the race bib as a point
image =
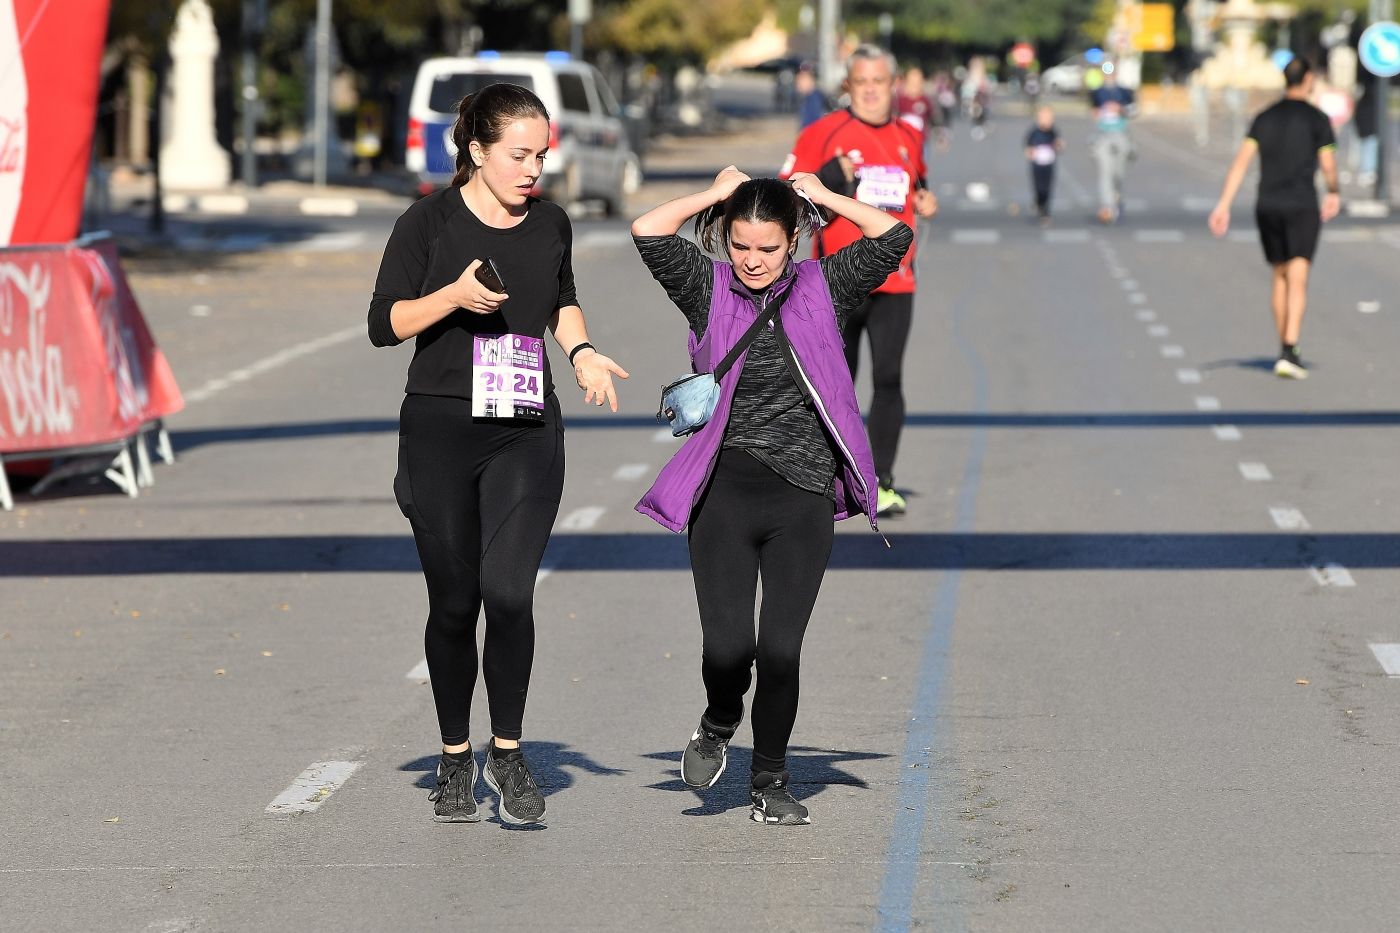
(883, 186)
(508, 377)
(1043, 155)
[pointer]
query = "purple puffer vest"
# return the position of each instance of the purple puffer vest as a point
(810, 324)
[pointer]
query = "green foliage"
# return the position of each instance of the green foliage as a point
(984, 24)
(677, 30)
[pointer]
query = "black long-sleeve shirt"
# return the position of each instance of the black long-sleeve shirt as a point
(432, 243)
(769, 417)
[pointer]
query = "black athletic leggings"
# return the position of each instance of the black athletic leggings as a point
(750, 523)
(482, 497)
(1043, 181)
(886, 317)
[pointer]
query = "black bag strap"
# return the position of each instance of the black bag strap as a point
(759, 322)
(793, 368)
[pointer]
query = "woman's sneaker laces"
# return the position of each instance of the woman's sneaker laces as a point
(453, 800)
(705, 755)
(773, 802)
(507, 774)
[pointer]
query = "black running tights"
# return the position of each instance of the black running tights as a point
(752, 524)
(482, 497)
(886, 318)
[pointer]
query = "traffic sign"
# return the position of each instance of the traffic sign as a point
(1379, 49)
(1022, 54)
(1153, 27)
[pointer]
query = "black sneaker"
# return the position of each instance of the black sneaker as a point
(705, 756)
(520, 798)
(453, 798)
(774, 803)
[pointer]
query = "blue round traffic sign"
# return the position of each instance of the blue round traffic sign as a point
(1379, 49)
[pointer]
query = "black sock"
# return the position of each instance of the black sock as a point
(500, 754)
(460, 758)
(1290, 352)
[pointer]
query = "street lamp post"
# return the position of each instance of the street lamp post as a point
(829, 12)
(1382, 11)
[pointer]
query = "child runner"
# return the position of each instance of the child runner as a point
(1043, 145)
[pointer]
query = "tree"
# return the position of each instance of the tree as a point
(675, 30)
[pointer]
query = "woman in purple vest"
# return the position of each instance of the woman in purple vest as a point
(785, 454)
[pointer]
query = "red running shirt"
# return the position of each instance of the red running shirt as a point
(889, 163)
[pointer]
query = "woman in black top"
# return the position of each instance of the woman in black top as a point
(481, 442)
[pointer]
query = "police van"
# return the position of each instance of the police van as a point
(589, 158)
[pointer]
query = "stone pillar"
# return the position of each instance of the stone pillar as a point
(190, 158)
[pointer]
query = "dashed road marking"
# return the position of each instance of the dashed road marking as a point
(1368, 307)
(1207, 403)
(1332, 575)
(201, 310)
(419, 672)
(1159, 330)
(1188, 377)
(1159, 236)
(977, 237)
(1197, 204)
(1129, 285)
(329, 207)
(1172, 351)
(280, 358)
(1255, 472)
(631, 471)
(1146, 315)
(1287, 518)
(1137, 298)
(1226, 432)
(1065, 236)
(313, 787)
(582, 519)
(1389, 657)
(1241, 236)
(343, 242)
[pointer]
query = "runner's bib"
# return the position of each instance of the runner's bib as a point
(883, 186)
(508, 377)
(1043, 154)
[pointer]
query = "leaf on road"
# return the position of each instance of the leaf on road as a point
(113, 819)
(1302, 681)
(219, 672)
(267, 654)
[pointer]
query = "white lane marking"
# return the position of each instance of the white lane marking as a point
(223, 204)
(1146, 315)
(1065, 236)
(1137, 298)
(582, 519)
(1342, 235)
(346, 241)
(664, 436)
(1159, 236)
(1368, 209)
(1389, 657)
(602, 239)
(1255, 472)
(313, 787)
(419, 672)
(978, 191)
(631, 471)
(1188, 376)
(1159, 330)
(280, 358)
(1287, 518)
(1365, 307)
(1197, 204)
(1226, 432)
(201, 310)
(1332, 575)
(545, 570)
(329, 207)
(1207, 403)
(1129, 285)
(1134, 205)
(1241, 236)
(1172, 351)
(977, 237)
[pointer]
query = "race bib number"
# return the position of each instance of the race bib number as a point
(1043, 155)
(883, 186)
(508, 377)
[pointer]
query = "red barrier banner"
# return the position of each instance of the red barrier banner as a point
(78, 364)
(50, 60)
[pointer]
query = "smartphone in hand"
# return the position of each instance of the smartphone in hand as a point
(487, 274)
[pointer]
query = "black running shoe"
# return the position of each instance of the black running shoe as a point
(520, 798)
(774, 803)
(453, 798)
(706, 754)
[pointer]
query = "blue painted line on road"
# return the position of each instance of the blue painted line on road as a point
(927, 736)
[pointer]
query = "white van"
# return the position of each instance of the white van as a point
(589, 153)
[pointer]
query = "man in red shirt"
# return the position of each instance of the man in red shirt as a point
(864, 152)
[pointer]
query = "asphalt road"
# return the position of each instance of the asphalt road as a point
(1123, 667)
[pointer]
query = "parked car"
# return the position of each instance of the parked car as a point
(590, 157)
(1065, 78)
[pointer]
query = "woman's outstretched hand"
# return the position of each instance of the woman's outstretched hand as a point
(594, 373)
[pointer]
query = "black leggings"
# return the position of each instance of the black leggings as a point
(751, 523)
(482, 497)
(886, 317)
(1043, 181)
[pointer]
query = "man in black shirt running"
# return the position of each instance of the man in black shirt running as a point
(1293, 138)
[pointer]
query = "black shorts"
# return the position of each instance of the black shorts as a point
(1288, 233)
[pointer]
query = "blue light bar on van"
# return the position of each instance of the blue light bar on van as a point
(557, 57)
(488, 53)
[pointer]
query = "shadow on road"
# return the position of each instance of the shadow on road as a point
(814, 769)
(667, 552)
